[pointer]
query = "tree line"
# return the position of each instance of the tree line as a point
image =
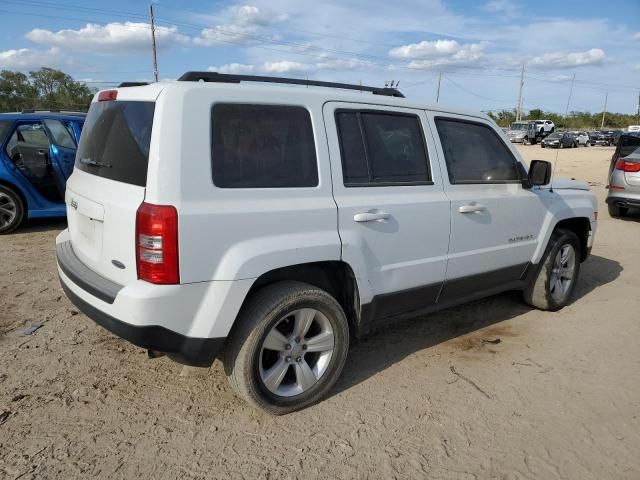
(572, 121)
(44, 89)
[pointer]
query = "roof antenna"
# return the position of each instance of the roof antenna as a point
(566, 112)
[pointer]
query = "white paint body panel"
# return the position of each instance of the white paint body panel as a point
(407, 250)
(503, 232)
(230, 237)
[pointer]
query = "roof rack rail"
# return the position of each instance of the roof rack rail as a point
(51, 110)
(230, 78)
(132, 84)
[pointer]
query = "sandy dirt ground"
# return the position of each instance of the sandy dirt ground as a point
(558, 397)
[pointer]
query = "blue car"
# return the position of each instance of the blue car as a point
(37, 156)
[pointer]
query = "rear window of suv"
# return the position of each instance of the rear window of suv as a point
(115, 141)
(262, 146)
(628, 145)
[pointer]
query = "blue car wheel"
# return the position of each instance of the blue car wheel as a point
(11, 210)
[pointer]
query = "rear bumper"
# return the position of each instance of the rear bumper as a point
(622, 201)
(198, 352)
(144, 314)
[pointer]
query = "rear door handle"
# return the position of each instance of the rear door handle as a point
(370, 217)
(471, 208)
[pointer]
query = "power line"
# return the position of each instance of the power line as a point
(476, 94)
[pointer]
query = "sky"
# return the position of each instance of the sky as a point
(478, 47)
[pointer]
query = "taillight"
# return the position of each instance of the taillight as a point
(627, 166)
(157, 244)
(107, 95)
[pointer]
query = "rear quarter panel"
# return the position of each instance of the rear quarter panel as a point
(240, 233)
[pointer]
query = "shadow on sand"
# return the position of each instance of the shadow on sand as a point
(41, 225)
(393, 343)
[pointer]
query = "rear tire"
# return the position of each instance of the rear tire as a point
(616, 211)
(272, 361)
(12, 210)
(552, 287)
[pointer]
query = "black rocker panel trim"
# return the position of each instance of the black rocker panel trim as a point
(430, 298)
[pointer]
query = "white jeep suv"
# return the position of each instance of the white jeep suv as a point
(266, 225)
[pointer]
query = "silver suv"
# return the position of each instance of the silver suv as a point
(624, 176)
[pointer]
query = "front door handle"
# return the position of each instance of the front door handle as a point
(471, 208)
(370, 217)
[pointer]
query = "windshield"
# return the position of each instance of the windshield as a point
(518, 126)
(555, 135)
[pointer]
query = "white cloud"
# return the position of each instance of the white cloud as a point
(503, 7)
(437, 53)
(242, 28)
(234, 68)
(290, 67)
(595, 56)
(110, 38)
(286, 66)
(27, 58)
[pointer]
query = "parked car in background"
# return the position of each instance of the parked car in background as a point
(524, 132)
(582, 138)
(633, 128)
(559, 140)
(624, 176)
(611, 136)
(545, 126)
(216, 217)
(599, 138)
(37, 156)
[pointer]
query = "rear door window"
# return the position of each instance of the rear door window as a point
(262, 146)
(115, 141)
(382, 148)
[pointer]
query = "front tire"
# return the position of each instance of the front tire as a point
(555, 281)
(12, 210)
(288, 347)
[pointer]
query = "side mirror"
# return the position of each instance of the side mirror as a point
(539, 173)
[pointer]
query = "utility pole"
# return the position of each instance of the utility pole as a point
(438, 89)
(605, 109)
(153, 43)
(566, 110)
(519, 111)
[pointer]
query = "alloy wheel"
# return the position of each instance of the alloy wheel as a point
(8, 210)
(562, 273)
(296, 352)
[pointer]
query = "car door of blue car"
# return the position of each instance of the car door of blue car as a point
(62, 151)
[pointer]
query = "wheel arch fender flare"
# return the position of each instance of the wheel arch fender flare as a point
(576, 219)
(18, 191)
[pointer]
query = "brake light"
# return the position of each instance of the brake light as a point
(627, 166)
(107, 95)
(157, 244)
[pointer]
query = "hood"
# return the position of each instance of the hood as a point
(560, 183)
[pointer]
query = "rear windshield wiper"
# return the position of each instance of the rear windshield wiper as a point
(93, 163)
